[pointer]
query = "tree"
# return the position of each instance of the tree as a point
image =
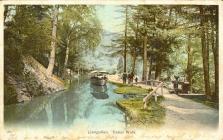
(53, 41)
(145, 73)
(135, 44)
(214, 46)
(205, 54)
(189, 61)
(125, 41)
(26, 32)
(79, 30)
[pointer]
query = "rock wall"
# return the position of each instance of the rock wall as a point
(50, 84)
(32, 82)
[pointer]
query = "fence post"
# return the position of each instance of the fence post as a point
(145, 105)
(153, 93)
(155, 97)
(162, 89)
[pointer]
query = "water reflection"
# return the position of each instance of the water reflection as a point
(66, 109)
(99, 92)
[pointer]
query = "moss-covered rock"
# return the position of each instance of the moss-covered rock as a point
(152, 116)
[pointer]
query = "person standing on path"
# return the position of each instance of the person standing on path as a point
(136, 79)
(124, 77)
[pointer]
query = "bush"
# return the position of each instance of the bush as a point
(33, 87)
(13, 61)
(10, 95)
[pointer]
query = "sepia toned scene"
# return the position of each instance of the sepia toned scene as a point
(111, 68)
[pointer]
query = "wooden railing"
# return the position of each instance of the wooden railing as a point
(154, 92)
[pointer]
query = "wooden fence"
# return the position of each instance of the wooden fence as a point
(157, 84)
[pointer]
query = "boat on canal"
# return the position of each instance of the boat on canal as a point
(98, 78)
(99, 92)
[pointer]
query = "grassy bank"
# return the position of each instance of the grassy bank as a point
(117, 84)
(152, 116)
(131, 90)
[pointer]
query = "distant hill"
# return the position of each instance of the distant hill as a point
(101, 59)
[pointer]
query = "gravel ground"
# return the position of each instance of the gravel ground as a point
(182, 113)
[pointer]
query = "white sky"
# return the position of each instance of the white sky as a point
(110, 17)
(111, 21)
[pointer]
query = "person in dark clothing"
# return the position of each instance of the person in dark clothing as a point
(124, 77)
(136, 79)
(131, 77)
(128, 75)
(176, 82)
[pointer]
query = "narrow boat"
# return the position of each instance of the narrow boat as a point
(98, 78)
(99, 92)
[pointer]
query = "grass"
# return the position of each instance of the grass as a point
(152, 116)
(118, 84)
(206, 102)
(203, 100)
(66, 84)
(131, 90)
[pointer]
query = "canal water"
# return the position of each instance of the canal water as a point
(83, 104)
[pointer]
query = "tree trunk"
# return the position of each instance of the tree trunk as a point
(66, 58)
(145, 74)
(5, 12)
(135, 46)
(216, 63)
(53, 42)
(125, 45)
(189, 63)
(214, 44)
(205, 55)
(158, 71)
(150, 67)
(133, 63)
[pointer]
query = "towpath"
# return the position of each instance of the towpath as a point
(182, 113)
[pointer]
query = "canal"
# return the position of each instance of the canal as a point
(82, 103)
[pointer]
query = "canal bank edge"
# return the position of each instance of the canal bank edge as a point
(136, 116)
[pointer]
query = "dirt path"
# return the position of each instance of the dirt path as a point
(184, 114)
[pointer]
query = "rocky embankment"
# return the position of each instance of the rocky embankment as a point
(32, 82)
